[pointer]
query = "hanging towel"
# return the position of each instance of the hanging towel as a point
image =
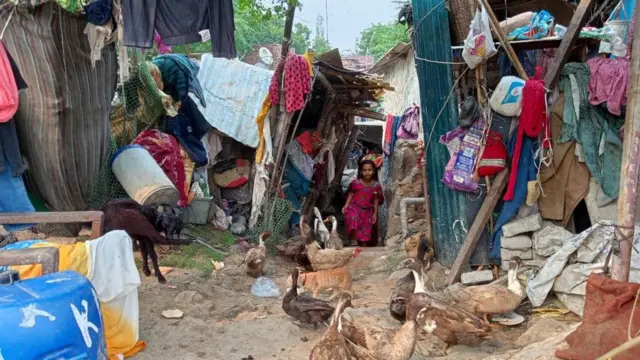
(180, 76)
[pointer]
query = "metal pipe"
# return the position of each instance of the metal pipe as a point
(404, 204)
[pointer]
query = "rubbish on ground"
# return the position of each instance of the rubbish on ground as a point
(508, 319)
(165, 269)
(265, 287)
(217, 265)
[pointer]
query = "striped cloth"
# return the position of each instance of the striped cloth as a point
(63, 118)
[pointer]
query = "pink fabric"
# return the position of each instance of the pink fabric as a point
(297, 82)
(162, 47)
(166, 152)
(8, 88)
(358, 216)
(608, 83)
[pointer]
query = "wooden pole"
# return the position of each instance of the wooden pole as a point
(503, 39)
(573, 31)
(630, 164)
(478, 226)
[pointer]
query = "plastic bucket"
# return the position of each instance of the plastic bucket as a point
(142, 178)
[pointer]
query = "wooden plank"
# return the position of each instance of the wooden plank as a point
(47, 256)
(362, 112)
(96, 218)
(503, 39)
(478, 226)
(629, 169)
(573, 31)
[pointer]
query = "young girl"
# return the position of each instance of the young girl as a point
(361, 209)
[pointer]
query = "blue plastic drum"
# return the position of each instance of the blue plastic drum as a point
(53, 317)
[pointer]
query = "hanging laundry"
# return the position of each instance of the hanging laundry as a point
(608, 82)
(297, 82)
(9, 144)
(410, 125)
(180, 22)
(8, 87)
(592, 127)
(391, 134)
(99, 12)
(532, 121)
(166, 152)
(162, 47)
(180, 76)
(98, 37)
(189, 126)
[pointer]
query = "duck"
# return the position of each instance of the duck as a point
(443, 320)
(335, 241)
(405, 286)
(304, 308)
(256, 257)
(489, 299)
(294, 248)
(333, 346)
(411, 244)
(325, 259)
(373, 342)
(322, 233)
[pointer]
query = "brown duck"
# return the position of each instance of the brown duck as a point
(405, 286)
(304, 308)
(256, 257)
(486, 300)
(294, 248)
(376, 343)
(446, 321)
(333, 346)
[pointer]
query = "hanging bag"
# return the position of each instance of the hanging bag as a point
(478, 46)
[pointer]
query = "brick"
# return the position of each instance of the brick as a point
(476, 277)
(524, 225)
(518, 242)
(507, 254)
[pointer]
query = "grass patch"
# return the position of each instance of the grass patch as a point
(195, 256)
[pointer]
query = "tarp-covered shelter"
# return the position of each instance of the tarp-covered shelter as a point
(63, 119)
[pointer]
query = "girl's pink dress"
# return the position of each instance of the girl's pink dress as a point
(359, 214)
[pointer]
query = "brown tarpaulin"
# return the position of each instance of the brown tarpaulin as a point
(607, 311)
(63, 119)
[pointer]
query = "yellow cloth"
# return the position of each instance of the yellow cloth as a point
(120, 335)
(308, 55)
(264, 111)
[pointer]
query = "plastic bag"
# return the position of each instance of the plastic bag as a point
(458, 173)
(478, 46)
(265, 287)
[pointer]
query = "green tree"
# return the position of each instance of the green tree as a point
(301, 38)
(320, 44)
(378, 38)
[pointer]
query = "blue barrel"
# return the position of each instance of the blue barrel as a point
(56, 316)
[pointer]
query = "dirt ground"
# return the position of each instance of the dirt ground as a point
(224, 321)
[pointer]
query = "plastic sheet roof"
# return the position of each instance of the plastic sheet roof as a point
(234, 92)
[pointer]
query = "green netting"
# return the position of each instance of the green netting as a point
(276, 214)
(138, 105)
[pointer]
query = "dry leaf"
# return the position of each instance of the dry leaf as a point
(165, 269)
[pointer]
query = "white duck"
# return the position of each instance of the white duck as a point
(335, 241)
(322, 233)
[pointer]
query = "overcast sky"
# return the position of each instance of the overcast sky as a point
(347, 18)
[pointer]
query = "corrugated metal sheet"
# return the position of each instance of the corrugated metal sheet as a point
(234, 92)
(432, 41)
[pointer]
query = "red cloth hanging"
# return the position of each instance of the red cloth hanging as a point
(532, 121)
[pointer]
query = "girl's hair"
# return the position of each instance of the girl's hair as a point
(373, 165)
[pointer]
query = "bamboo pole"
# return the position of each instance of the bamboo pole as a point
(503, 39)
(630, 164)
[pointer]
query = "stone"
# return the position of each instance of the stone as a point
(549, 239)
(524, 225)
(476, 277)
(534, 263)
(518, 242)
(507, 254)
(188, 297)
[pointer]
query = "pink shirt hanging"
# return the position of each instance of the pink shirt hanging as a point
(608, 82)
(8, 88)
